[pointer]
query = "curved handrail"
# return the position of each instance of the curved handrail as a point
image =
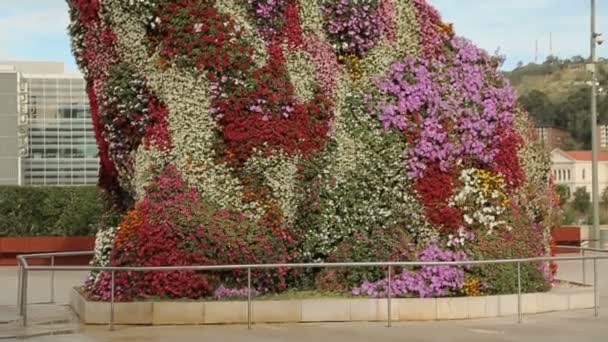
(24, 268)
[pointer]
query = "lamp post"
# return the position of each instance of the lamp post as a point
(592, 66)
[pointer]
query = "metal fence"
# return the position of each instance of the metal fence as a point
(25, 268)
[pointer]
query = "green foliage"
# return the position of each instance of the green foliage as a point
(564, 194)
(502, 278)
(569, 215)
(538, 104)
(604, 198)
(363, 247)
(582, 200)
(51, 211)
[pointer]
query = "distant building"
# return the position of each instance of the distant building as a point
(551, 137)
(573, 169)
(46, 134)
(603, 137)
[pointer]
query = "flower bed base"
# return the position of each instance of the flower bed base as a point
(327, 310)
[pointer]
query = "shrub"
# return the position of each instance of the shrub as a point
(564, 194)
(582, 200)
(364, 247)
(39, 211)
(502, 278)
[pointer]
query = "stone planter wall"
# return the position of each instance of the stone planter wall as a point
(328, 310)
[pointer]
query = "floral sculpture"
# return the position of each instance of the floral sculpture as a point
(258, 131)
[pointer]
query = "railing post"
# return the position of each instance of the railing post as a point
(518, 292)
(112, 302)
(52, 280)
(24, 297)
(388, 293)
(19, 280)
(248, 297)
(584, 267)
(595, 297)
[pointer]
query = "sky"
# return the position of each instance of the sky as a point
(36, 29)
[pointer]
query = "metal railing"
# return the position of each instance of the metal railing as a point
(582, 251)
(25, 268)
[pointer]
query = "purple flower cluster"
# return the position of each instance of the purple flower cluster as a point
(353, 26)
(228, 292)
(268, 14)
(428, 281)
(463, 102)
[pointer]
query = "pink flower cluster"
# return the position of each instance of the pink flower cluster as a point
(229, 292)
(268, 15)
(432, 35)
(386, 13)
(326, 64)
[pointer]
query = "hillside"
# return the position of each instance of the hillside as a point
(556, 94)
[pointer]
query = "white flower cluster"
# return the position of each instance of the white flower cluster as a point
(123, 100)
(193, 130)
(365, 184)
(301, 73)
(77, 41)
(236, 10)
(482, 205)
(459, 239)
(103, 246)
(535, 195)
(278, 173)
(148, 162)
(104, 241)
(378, 60)
(311, 18)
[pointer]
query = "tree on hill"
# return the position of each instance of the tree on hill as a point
(538, 104)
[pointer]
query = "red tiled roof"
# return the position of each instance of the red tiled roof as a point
(586, 155)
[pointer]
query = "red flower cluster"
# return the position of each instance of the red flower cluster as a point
(264, 115)
(87, 10)
(173, 226)
(108, 176)
(267, 117)
(97, 57)
(292, 30)
(194, 34)
(157, 131)
(506, 161)
(434, 189)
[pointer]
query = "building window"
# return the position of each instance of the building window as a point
(583, 174)
(568, 174)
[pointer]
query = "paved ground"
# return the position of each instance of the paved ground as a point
(579, 326)
(570, 326)
(39, 286)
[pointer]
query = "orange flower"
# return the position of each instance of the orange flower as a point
(128, 227)
(447, 28)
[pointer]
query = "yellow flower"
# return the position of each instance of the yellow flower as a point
(472, 287)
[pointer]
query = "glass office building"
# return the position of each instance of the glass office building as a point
(59, 146)
(62, 148)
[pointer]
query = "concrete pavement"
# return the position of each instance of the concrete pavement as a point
(579, 326)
